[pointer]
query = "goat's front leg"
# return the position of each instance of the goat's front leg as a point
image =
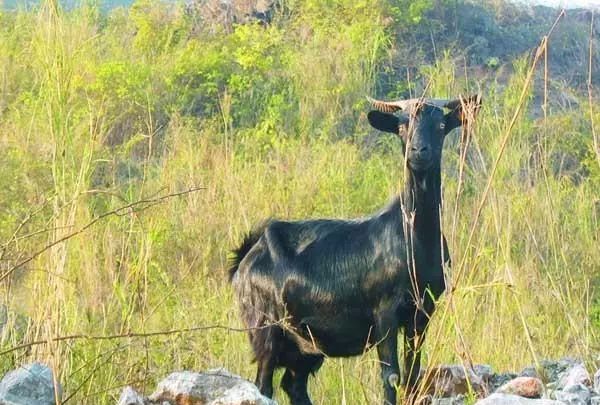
(387, 350)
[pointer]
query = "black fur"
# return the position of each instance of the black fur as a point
(242, 250)
(327, 287)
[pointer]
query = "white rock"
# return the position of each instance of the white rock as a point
(31, 384)
(595, 400)
(130, 397)
(597, 382)
(507, 399)
(214, 387)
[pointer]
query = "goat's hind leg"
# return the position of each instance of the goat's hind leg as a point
(295, 378)
(266, 344)
(264, 376)
(298, 367)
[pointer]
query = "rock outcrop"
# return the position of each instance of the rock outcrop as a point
(31, 384)
(567, 382)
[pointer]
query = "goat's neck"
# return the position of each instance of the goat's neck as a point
(421, 200)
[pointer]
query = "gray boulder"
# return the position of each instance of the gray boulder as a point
(508, 399)
(453, 380)
(597, 382)
(484, 371)
(576, 374)
(577, 394)
(214, 387)
(529, 371)
(458, 400)
(31, 384)
(498, 380)
(553, 370)
(595, 400)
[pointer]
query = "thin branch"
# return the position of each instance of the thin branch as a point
(99, 363)
(14, 237)
(129, 335)
(123, 210)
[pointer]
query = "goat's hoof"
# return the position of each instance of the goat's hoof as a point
(393, 380)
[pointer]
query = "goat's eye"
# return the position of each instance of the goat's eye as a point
(442, 125)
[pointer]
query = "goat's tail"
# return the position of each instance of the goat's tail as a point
(242, 250)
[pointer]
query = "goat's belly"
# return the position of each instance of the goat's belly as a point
(344, 335)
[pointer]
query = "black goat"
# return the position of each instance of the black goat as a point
(326, 287)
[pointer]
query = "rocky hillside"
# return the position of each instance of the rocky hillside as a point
(489, 35)
(484, 36)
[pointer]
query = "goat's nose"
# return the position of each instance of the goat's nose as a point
(420, 151)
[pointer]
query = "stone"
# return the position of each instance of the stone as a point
(484, 371)
(31, 384)
(597, 382)
(529, 387)
(529, 371)
(552, 369)
(577, 394)
(457, 400)
(509, 399)
(576, 374)
(213, 387)
(595, 400)
(130, 397)
(452, 380)
(498, 380)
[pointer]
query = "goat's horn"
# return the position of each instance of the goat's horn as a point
(391, 106)
(474, 99)
(438, 102)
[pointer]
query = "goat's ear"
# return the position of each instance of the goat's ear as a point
(461, 111)
(386, 122)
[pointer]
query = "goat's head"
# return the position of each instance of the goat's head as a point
(422, 125)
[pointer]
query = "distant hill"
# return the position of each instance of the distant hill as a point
(484, 35)
(106, 4)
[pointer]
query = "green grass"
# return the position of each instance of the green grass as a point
(100, 111)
